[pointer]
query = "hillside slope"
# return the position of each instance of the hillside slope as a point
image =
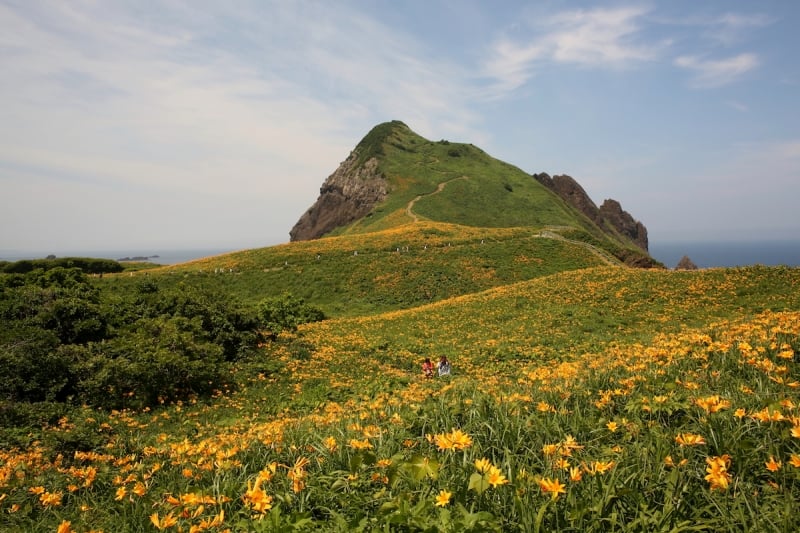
(393, 169)
(579, 402)
(400, 268)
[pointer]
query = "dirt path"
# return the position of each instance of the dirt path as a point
(439, 188)
(602, 254)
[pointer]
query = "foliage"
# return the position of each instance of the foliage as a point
(394, 269)
(62, 341)
(88, 265)
(372, 145)
(285, 313)
(595, 400)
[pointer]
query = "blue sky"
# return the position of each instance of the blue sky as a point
(201, 124)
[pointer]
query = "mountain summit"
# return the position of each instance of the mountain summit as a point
(395, 177)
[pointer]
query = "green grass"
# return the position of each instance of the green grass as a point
(587, 369)
(479, 190)
(435, 262)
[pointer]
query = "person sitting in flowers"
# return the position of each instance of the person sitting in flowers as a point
(444, 366)
(427, 368)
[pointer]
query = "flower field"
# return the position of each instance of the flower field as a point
(602, 399)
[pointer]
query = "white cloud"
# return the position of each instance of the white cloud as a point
(596, 38)
(731, 28)
(599, 37)
(716, 73)
(248, 106)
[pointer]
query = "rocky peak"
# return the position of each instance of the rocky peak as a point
(571, 191)
(609, 214)
(347, 195)
(623, 222)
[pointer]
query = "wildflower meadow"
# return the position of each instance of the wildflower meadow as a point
(600, 399)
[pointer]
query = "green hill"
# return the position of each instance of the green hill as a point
(585, 395)
(456, 183)
(367, 273)
(446, 220)
(446, 182)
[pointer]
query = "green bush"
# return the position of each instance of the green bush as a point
(61, 340)
(161, 360)
(285, 313)
(86, 264)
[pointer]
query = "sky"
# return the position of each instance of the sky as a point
(148, 125)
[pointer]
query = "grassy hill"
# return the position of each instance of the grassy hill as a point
(585, 395)
(456, 183)
(478, 190)
(407, 266)
(590, 400)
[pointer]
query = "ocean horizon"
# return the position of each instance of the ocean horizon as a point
(161, 257)
(728, 254)
(709, 254)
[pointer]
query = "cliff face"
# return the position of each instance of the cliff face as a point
(347, 195)
(624, 223)
(609, 214)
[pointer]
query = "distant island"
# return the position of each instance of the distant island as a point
(138, 258)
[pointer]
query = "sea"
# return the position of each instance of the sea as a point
(161, 257)
(728, 254)
(702, 254)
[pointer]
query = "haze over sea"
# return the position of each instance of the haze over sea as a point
(703, 254)
(728, 254)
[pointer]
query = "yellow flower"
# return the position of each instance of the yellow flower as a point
(139, 489)
(794, 460)
(544, 407)
(51, 499)
(65, 527)
(360, 444)
(796, 431)
(575, 474)
(599, 467)
(483, 465)
(443, 498)
(689, 439)
(455, 440)
(163, 523)
(550, 449)
(121, 493)
(330, 443)
(562, 464)
(713, 404)
(495, 478)
(612, 426)
(298, 474)
(255, 497)
(773, 465)
(553, 486)
(717, 472)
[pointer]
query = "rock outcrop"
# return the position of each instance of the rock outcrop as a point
(347, 195)
(685, 264)
(624, 223)
(607, 216)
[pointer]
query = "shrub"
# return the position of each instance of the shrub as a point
(286, 313)
(161, 360)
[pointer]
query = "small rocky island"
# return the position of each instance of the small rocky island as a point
(138, 258)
